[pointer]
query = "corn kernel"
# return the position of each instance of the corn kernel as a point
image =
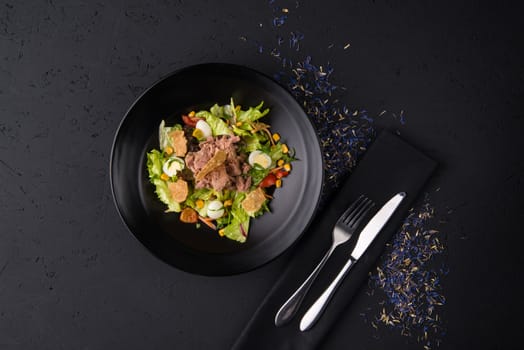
(221, 232)
(278, 183)
(287, 167)
(284, 148)
(238, 124)
(280, 162)
(191, 114)
(228, 203)
(197, 133)
(276, 137)
(199, 203)
(164, 177)
(169, 150)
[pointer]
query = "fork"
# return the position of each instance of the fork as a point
(344, 228)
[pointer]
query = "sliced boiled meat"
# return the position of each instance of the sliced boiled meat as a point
(230, 175)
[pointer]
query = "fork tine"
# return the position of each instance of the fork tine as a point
(357, 219)
(351, 208)
(355, 211)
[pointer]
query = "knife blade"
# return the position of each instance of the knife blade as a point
(366, 237)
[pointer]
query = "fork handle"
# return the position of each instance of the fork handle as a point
(315, 311)
(290, 307)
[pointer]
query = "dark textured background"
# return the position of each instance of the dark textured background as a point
(71, 276)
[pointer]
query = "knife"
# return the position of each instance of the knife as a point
(365, 239)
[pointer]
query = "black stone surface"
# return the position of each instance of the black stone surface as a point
(72, 277)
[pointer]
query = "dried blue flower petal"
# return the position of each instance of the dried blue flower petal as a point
(412, 289)
(279, 20)
(344, 133)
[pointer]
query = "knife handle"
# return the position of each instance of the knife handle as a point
(315, 311)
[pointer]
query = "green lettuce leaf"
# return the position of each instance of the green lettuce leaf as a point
(258, 174)
(201, 193)
(275, 152)
(253, 142)
(218, 125)
(155, 161)
(234, 232)
(218, 111)
(241, 131)
(252, 114)
(239, 218)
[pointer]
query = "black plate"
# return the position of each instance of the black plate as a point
(202, 250)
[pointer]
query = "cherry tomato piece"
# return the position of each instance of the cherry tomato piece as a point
(281, 173)
(268, 181)
(190, 121)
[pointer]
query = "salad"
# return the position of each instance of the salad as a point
(219, 167)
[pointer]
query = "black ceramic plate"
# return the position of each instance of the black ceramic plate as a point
(202, 250)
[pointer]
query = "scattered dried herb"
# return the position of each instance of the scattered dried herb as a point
(412, 289)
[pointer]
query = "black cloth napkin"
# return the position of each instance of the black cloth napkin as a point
(389, 166)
